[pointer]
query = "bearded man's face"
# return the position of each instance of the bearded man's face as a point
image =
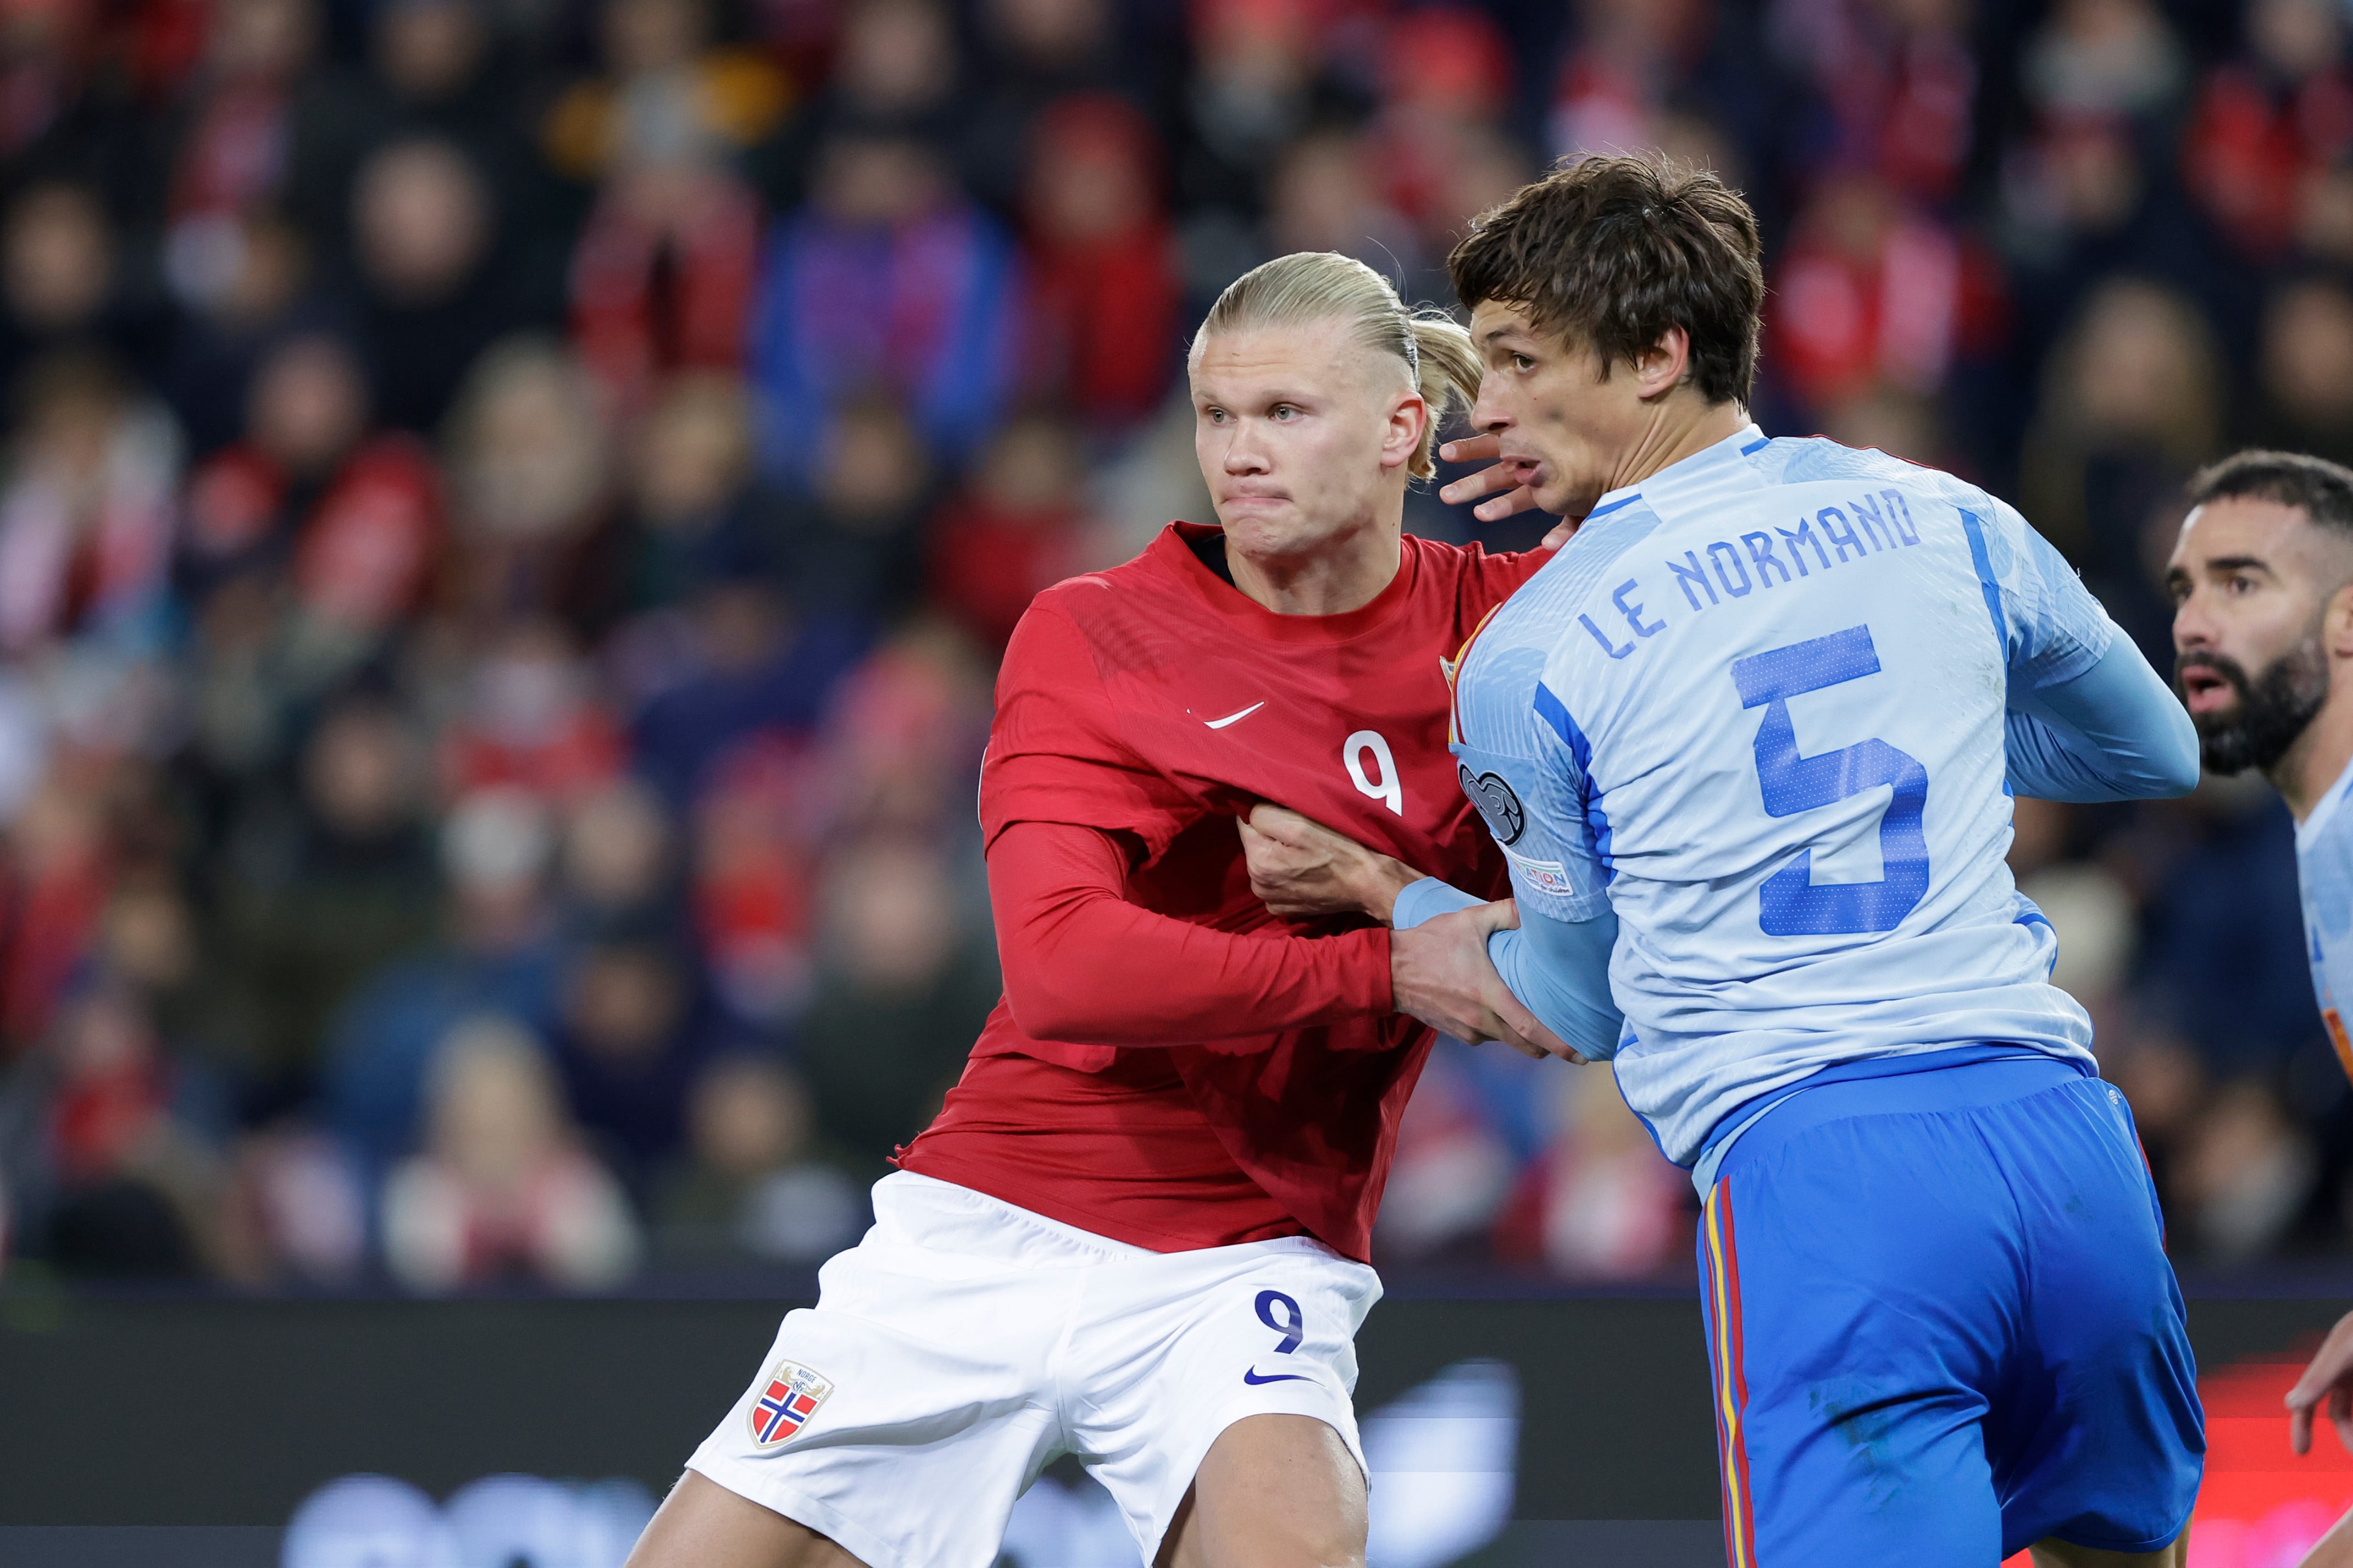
(2251, 580)
(2265, 713)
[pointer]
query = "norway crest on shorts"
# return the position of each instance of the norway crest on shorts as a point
(791, 1398)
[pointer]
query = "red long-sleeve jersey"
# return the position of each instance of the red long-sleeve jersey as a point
(1172, 1066)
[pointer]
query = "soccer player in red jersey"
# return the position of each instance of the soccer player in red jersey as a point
(1137, 1233)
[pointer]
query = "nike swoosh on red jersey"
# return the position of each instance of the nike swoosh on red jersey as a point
(1253, 1379)
(1235, 718)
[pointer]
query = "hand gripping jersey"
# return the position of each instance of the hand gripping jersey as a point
(2324, 874)
(1158, 702)
(1756, 705)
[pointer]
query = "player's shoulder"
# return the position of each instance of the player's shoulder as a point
(1559, 583)
(1148, 584)
(2325, 839)
(1467, 579)
(1497, 702)
(1817, 459)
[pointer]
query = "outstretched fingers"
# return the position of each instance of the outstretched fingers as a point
(1500, 482)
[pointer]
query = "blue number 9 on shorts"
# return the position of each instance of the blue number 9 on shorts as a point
(1292, 1328)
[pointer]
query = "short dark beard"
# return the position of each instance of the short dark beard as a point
(2273, 710)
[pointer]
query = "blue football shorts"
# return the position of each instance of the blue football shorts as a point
(1942, 1325)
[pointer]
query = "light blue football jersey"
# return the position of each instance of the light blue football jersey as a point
(2324, 877)
(1756, 706)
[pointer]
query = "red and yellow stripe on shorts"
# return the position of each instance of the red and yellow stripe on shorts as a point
(1731, 1382)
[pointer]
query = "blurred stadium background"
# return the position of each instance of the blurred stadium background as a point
(510, 509)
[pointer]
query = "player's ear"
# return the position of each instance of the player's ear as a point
(1660, 368)
(1409, 416)
(2337, 624)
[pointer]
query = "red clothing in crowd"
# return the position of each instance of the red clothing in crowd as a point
(1104, 288)
(988, 562)
(362, 550)
(1172, 1066)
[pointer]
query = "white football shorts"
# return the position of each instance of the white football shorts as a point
(965, 1344)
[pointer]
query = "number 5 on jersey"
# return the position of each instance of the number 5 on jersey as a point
(1789, 904)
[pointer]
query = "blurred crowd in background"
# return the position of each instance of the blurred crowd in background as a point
(511, 508)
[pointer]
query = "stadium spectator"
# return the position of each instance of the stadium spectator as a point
(434, 72)
(696, 514)
(532, 721)
(748, 1188)
(1323, 195)
(497, 954)
(43, 73)
(1035, 55)
(133, 1182)
(89, 514)
(345, 516)
(663, 278)
(752, 673)
(433, 290)
(895, 67)
(891, 278)
(529, 475)
(1454, 1168)
(619, 871)
(899, 994)
(503, 1189)
(2244, 1174)
(906, 730)
(61, 862)
(1102, 261)
(2305, 370)
(2105, 57)
(1259, 79)
(750, 883)
(2264, 126)
(63, 283)
(233, 131)
(666, 95)
(630, 1037)
(322, 892)
(271, 293)
(2130, 407)
(1017, 527)
(853, 543)
(1880, 296)
(2214, 968)
(1893, 87)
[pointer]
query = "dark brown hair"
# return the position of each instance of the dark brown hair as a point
(1610, 252)
(2322, 489)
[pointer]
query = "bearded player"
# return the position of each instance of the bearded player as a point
(2261, 580)
(1137, 1232)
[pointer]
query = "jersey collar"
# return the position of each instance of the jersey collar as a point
(1254, 619)
(1732, 448)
